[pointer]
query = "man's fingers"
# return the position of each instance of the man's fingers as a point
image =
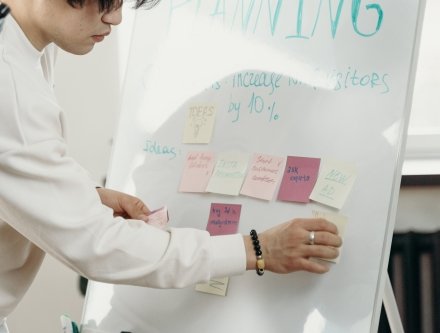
(318, 224)
(319, 251)
(327, 238)
(135, 208)
(313, 266)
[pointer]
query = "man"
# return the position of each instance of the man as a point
(48, 203)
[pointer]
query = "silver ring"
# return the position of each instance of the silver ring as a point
(311, 237)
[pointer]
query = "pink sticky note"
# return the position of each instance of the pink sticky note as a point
(299, 178)
(159, 218)
(263, 176)
(223, 219)
(197, 171)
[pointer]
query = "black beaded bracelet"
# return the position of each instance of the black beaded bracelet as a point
(258, 253)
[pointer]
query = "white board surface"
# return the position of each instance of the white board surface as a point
(345, 75)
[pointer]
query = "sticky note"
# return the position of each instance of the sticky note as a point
(228, 174)
(218, 286)
(223, 219)
(199, 124)
(159, 218)
(299, 178)
(339, 220)
(263, 176)
(334, 183)
(197, 171)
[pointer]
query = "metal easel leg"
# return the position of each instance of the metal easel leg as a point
(389, 302)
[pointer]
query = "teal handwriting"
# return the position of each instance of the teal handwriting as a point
(153, 147)
(269, 15)
(256, 106)
(337, 177)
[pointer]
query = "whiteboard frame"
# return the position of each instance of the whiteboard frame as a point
(398, 176)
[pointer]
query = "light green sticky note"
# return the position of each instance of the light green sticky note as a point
(334, 183)
(228, 174)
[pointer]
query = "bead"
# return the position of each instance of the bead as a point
(260, 263)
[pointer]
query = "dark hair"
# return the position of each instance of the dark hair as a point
(106, 5)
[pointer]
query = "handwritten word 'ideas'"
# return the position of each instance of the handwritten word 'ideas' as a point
(271, 15)
(155, 148)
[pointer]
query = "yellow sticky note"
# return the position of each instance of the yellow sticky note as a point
(339, 220)
(199, 124)
(217, 286)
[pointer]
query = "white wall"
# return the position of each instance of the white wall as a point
(418, 209)
(88, 88)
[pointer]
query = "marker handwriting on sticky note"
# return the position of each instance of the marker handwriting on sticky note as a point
(334, 183)
(199, 124)
(228, 174)
(223, 219)
(263, 176)
(218, 286)
(197, 171)
(299, 178)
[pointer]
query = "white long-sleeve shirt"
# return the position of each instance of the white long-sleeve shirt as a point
(48, 203)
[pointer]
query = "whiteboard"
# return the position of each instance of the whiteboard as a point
(338, 85)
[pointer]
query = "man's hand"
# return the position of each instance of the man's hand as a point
(124, 205)
(286, 247)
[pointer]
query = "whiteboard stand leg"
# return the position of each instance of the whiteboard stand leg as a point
(389, 302)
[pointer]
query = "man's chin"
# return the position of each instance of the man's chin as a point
(79, 50)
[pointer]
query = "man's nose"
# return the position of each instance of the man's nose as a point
(113, 17)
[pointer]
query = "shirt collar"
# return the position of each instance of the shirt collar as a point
(18, 44)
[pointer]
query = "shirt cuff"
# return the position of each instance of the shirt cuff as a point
(228, 255)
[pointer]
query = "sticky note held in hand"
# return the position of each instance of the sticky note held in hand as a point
(159, 218)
